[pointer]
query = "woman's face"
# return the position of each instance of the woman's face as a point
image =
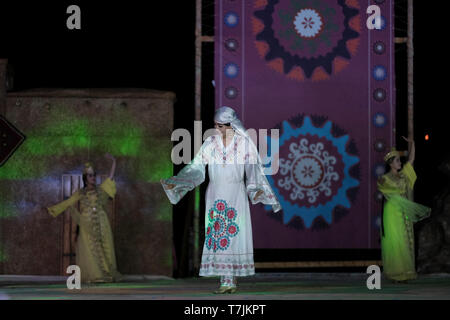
(221, 128)
(90, 177)
(396, 164)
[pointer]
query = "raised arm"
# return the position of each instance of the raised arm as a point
(411, 150)
(113, 167)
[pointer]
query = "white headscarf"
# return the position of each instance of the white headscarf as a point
(225, 115)
(228, 115)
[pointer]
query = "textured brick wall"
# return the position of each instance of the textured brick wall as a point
(64, 129)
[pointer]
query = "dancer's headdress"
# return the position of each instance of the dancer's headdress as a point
(88, 168)
(391, 154)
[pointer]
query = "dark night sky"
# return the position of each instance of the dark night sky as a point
(150, 44)
(119, 45)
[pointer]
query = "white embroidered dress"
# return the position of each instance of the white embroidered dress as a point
(228, 248)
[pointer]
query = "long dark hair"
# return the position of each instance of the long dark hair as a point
(387, 166)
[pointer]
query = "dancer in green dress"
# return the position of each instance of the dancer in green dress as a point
(95, 253)
(399, 215)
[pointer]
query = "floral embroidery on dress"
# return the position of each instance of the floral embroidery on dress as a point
(227, 155)
(221, 226)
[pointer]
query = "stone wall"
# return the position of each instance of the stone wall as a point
(64, 129)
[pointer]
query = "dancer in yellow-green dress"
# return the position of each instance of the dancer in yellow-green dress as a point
(95, 253)
(399, 215)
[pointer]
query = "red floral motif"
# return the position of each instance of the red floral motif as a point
(224, 242)
(220, 206)
(230, 213)
(221, 219)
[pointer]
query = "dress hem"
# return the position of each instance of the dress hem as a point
(224, 273)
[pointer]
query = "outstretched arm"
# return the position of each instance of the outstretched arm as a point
(411, 150)
(258, 193)
(64, 205)
(113, 167)
(189, 177)
(169, 186)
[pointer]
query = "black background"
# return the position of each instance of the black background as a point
(150, 44)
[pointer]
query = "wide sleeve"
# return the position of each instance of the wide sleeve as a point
(109, 186)
(410, 174)
(192, 175)
(62, 206)
(412, 210)
(257, 181)
(386, 187)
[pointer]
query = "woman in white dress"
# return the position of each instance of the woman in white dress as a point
(230, 154)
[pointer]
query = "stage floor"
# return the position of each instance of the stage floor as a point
(262, 286)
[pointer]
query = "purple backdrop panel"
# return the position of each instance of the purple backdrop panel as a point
(314, 70)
